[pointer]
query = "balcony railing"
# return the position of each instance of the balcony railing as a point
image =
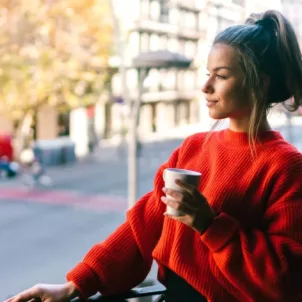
(138, 292)
(171, 30)
(189, 6)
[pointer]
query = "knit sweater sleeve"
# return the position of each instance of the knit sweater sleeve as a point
(124, 259)
(264, 264)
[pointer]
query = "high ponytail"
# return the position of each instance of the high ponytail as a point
(286, 58)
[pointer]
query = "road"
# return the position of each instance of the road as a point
(44, 233)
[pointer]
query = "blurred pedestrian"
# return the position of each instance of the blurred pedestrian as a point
(35, 175)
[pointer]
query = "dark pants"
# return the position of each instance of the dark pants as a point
(179, 290)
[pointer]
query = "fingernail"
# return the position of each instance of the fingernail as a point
(164, 189)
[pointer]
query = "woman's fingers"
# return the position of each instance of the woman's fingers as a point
(185, 199)
(186, 187)
(26, 296)
(177, 196)
(171, 203)
(177, 205)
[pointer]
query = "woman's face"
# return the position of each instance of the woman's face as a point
(224, 92)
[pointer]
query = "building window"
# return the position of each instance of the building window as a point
(189, 20)
(164, 11)
(145, 9)
(63, 123)
(154, 11)
(163, 42)
(190, 49)
(154, 42)
(173, 16)
(134, 43)
(173, 45)
(145, 42)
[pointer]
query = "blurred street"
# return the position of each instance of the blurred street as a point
(44, 233)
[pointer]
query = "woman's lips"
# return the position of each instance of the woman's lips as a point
(211, 103)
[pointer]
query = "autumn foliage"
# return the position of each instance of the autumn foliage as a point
(52, 51)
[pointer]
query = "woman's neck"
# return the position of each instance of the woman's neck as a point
(242, 125)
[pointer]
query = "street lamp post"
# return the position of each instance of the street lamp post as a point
(133, 140)
(143, 63)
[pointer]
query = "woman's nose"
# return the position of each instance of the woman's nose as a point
(207, 87)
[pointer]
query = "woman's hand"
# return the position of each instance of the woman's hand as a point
(197, 213)
(47, 293)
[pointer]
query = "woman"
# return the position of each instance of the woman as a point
(240, 238)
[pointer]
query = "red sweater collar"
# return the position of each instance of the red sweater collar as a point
(241, 138)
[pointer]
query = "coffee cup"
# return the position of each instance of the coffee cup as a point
(188, 176)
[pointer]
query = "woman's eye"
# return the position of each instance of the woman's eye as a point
(218, 76)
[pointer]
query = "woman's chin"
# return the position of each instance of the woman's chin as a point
(217, 115)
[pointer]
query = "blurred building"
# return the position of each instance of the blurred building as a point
(170, 97)
(292, 9)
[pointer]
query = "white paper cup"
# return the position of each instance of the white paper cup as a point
(188, 176)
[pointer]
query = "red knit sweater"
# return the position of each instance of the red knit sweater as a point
(252, 251)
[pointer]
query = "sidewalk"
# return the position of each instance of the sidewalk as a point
(277, 122)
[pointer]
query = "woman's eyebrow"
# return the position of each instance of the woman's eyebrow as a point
(222, 67)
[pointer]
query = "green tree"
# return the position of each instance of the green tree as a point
(53, 52)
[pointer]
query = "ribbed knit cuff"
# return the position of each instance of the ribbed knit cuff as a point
(220, 232)
(84, 279)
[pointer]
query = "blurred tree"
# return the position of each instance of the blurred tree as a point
(52, 51)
